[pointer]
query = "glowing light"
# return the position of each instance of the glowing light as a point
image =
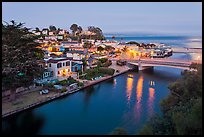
(139, 89)
(139, 96)
(151, 100)
(129, 88)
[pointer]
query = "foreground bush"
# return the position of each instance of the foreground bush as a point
(182, 109)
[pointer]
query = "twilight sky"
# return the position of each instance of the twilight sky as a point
(180, 18)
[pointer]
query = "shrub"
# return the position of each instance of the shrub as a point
(108, 71)
(49, 85)
(63, 90)
(63, 82)
(103, 60)
(107, 63)
(80, 84)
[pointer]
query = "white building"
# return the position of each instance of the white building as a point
(51, 33)
(60, 66)
(76, 55)
(36, 32)
(62, 32)
(45, 31)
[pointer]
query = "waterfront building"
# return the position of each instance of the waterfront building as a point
(64, 66)
(60, 66)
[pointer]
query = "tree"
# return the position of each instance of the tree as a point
(19, 57)
(74, 28)
(100, 49)
(133, 42)
(87, 46)
(182, 109)
(80, 29)
(37, 29)
(98, 32)
(109, 48)
(52, 28)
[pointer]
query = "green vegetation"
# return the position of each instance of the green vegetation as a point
(69, 81)
(63, 82)
(104, 62)
(133, 42)
(63, 90)
(19, 55)
(97, 31)
(74, 28)
(182, 109)
(52, 28)
(74, 38)
(107, 63)
(108, 71)
(96, 72)
(86, 46)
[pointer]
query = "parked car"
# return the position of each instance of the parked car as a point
(73, 86)
(44, 91)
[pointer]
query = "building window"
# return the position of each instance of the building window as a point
(50, 65)
(58, 72)
(63, 64)
(67, 63)
(59, 65)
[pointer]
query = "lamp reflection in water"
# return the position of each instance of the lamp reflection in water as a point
(150, 101)
(129, 88)
(114, 83)
(139, 96)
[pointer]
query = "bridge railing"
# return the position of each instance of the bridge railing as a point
(164, 63)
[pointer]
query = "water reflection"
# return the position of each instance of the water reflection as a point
(129, 86)
(89, 92)
(27, 123)
(139, 96)
(115, 82)
(151, 101)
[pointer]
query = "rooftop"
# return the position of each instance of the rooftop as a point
(56, 60)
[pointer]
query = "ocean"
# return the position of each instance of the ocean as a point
(181, 41)
(173, 41)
